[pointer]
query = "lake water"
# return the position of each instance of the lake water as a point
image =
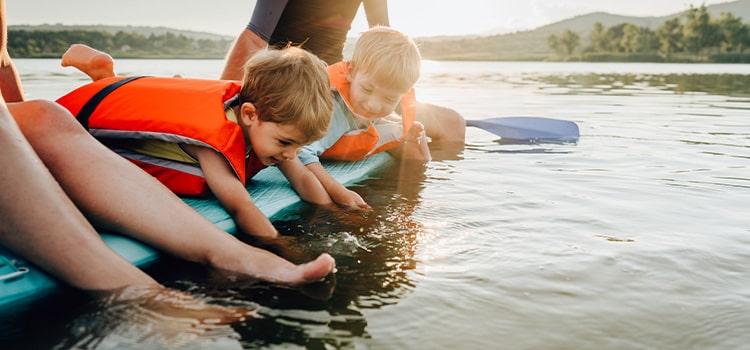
(636, 237)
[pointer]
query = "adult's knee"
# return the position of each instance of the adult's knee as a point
(40, 116)
(43, 121)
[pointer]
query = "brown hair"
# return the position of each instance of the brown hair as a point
(289, 86)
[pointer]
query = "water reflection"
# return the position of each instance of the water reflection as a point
(375, 255)
(627, 84)
(132, 318)
(374, 252)
(138, 318)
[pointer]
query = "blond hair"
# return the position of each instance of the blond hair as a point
(289, 86)
(387, 55)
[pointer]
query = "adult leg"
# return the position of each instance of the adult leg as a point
(116, 195)
(40, 222)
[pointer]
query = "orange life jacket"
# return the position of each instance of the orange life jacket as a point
(359, 144)
(179, 110)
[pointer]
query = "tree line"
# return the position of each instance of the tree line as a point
(52, 44)
(693, 36)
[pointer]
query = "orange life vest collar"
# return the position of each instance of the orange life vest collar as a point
(180, 110)
(358, 144)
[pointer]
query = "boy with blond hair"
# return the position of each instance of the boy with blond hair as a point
(369, 89)
(199, 136)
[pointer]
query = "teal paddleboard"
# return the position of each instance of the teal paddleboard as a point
(20, 280)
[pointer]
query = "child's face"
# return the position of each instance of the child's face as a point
(371, 98)
(273, 142)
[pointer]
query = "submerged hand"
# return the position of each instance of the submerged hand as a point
(350, 200)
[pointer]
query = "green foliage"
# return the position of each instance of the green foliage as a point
(621, 57)
(565, 44)
(694, 36)
(735, 34)
(601, 38)
(730, 57)
(619, 83)
(53, 43)
(670, 36)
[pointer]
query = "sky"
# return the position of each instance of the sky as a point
(417, 18)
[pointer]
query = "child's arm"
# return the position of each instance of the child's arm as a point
(315, 185)
(304, 182)
(231, 192)
(338, 192)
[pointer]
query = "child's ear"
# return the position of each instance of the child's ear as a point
(349, 74)
(248, 113)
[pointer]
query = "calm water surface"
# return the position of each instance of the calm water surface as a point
(636, 237)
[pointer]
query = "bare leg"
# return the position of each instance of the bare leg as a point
(41, 223)
(96, 64)
(441, 123)
(116, 195)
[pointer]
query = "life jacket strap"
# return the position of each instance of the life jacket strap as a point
(85, 113)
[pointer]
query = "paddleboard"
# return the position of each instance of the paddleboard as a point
(20, 280)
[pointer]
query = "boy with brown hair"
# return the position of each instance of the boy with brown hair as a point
(199, 136)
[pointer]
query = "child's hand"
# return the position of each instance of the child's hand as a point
(416, 133)
(268, 233)
(350, 200)
(415, 146)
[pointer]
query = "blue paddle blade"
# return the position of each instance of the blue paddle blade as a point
(531, 129)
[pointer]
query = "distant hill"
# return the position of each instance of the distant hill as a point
(128, 29)
(583, 24)
(51, 41)
(532, 44)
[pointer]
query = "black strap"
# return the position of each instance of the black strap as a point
(85, 113)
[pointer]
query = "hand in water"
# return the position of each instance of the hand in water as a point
(415, 146)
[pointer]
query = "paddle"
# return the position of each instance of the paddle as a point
(531, 129)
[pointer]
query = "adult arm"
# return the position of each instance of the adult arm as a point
(377, 12)
(10, 83)
(231, 193)
(253, 38)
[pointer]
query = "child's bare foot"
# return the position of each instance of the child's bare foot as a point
(96, 64)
